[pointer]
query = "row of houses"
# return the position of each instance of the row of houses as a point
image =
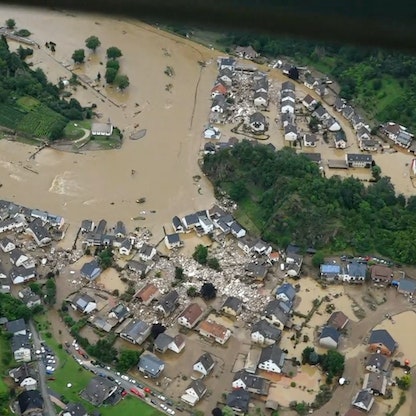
(398, 134)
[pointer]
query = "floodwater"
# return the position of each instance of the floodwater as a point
(100, 184)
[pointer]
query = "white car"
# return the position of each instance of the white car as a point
(49, 368)
(123, 377)
(170, 411)
(108, 368)
(133, 381)
(117, 381)
(163, 398)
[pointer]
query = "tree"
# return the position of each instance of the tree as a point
(192, 292)
(127, 359)
(404, 382)
(376, 172)
(92, 43)
(216, 411)
(78, 56)
(113, 64)
(122, 81)
(208, 291)
(10, 23)
(238, 191)
(333, 363)
(227, 411)
(200, 254)
(105, 258)
(35, 288)
(113, 52)
(110, 75)
(213, 263)
(318, 259)
(50, 297)
(306, 353)
(179, 273)
(157, 329)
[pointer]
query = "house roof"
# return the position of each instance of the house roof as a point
(147, 292)
(267, 330)
(376, 360)
(226, 72)
(91, 269)
(233, 303)
(76, 409)
(238, 399)
(357, 269)
(407, 285)
(330, 332)
(274, 354)
(120, 228)
(177, 223)
(162, 341)
(135, 328)
(22, 272)
(257, 118)
(192, 313)
(206, 361)
(375, 381)
(219, 87)
(290, 128)
(150, 363)
(260, 94)
(97, 390)
(81, 300)
(256, 270)
(273, 308)
(354, 412)
(213, 328)
(320, 112)
(16, 326)
(313, 157)
(381, 272)
(169, 301)
(363, 400)
(30, 400)
(288, 290)
(20, 341)
(287, 94)
(121, 311)
(359, 157)
(137, 266)
(309, 137)
(309, 99)
(198, 387)
(288, 85)
(219, 100)
(173, 238)
(251, 381)
(5, 241)
(146, 249)
(382, 336)
(16, 254)
(330, 268)
(339, 103)
(338, 320)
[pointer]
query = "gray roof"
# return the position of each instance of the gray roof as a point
(86, 225)
(19, 341)
(273, 308)
(38, 229)
(137, 266)
(359, 157)
(120, 228)
(238, 399)
(287, 93)
(261, 94)
(177, 223)
(256, 270)
(382, 336)
(30, 400)
(135, 328)
(198, 386)
(252, 381)
(219, 100)
(169, 301)
(121, 311)
(267, 330)
(233, 303)
(162, 341)
(288, 85)
(407, 285)
(357, 269)
(377, 360)
(330, 332)
(257, 118)
(290, 128)
(21, 271)
(98, 390)
(288, 290)
(81, 300)
(150, 363)
(101, 227)
(206, 361)
(76, 409)
(16, 326)
(146, 249)
(91, 270)
(16, 254)
(274, 354)
(173, 238)
(363, 399)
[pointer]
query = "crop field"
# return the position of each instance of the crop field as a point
(28, 103)
(9, 116)
(42, 122)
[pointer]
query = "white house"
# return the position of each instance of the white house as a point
(173, 241)
(102, 129)
(22, 274)
(147, 252)
(219, 104)
(215, 331)
(21, 348)
(260, 99)
(257, 122)
(237, 230)
(309, 140)
(329, 337)
(272, 359)
(340, 141)
(190, 316)
(194, 392)
(125, 247)
(17, 257)
(83, 303)
(264, 333)
(7, 245)
(204, 364)
(291, 133)
(309, 102)
(287, 107)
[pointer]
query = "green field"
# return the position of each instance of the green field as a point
(5, 352)
(10, 117)
(28, 103)
(130, 406)
(74, 129)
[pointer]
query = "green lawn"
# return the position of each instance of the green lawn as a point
(74, 129)
(107, 142)
(5, 351)
(27, 103)
(130, 406)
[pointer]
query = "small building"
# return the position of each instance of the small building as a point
(119, 313)
(272, 359)
(232, 306)
(264, 333)
(7, 245)
(237, 230)
(83, 303)
(87, 226)
(286, 292)
(39, 233)
(287, 107)
(340, 140)
(210, 133)
(246, 52)
(102, 129)
(238, 400)
(377, 363)
(125, 247)
(150, 365)
(147, 252)
(21, 348)
(177, 225)
(21, 274)
(256, 270)
(339, 104)
(219, 104)
(330, 271)
(338, 320)
(290, 133)
(168, 303)
(381, 275)
(173, 241)
(75, 409)
(98, 390)
(288, 86)
(16, 327)
(363, 133)
(309, 102)
(29, 298)
(18, 258)
(162, 342)
(30, 403)
(204, 364)
(215, 331)
(257, 122)
(329, 337)
(382, 342)
(91, 270)
(194, 392)
(320, 113)
(147, 294)
(310, 140)
(135, 331)
(407, 287)
(355, 272)
(226, 63)
(260, 99)
(359, 160)
(274, 314)
(24, 376)
(313, 157)
(363, 400)
(251, 383)
(191, 315)
(218, 89)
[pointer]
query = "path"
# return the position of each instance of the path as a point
(86, 134)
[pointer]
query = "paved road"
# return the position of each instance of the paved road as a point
(49, 409)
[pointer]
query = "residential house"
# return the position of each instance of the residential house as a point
(206, 226)
(377, 363)
(331, 124)
(218, 89)
(260, 99)
(348, 112)
(24, 376)
(287, 107)
(177, 225)
(313, 157)
(226, 76)
(339, 104)
(261, 247)
(272, 359)
(363, 400)
(16, 327)
(251, 383)
(135, 331)
(363, 133)
(21, 348)
(147, 294)
(29, 298)
(357, 160)
(285, 67)
(119, 313)
(7, 245)
(330, 272)
(340, 140)
(30, 403)
(287, 86)
(162, 342)
(101, 227)
(310, 140)
(237, 230)
(75, 409)
(190, 316)
(355, 272)
(257, 122)
(309, 81)
(238, 400)
(98, 390)
(147, 252)
(320, 113)
(274, 314)
(381, 275)
(38, 214)
(168, 303)
(150, 365)
(120, 229)
(260, 83)
(256, 270)
(404, 139)
(194, 392)
(102, 129)
(204, 364)
(226, 63)
(338, 320)
(329, 337)
(382, 342)
(264, 333)
(375, 383)
(286, 292)
(321, 89)
(91, 270)
(309, 102)
(219, 105)
(18, 258)
(290, 133)
(21, 274)
(3, 274)
(252, 360)
(369, 144)
(246, 52)
(177, 344)
(287, 96)
(87, 226)
(212, 330)
(83, 303)
(17, 224)
(139, 267)
(407, 287)
(125, 247)
(232, 306)
(356, 121)
(287, 118)
(173, 241)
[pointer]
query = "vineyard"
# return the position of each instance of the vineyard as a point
(42, 122)
(9, 116)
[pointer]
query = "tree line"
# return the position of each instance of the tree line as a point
(289, 201)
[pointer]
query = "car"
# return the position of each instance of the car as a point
(124, 377)
(170, 411)
(162, 405)
(169, 402)
(153, 402)
(160, 397)
(85, 356)
(123, 393)
(136, 392)
(76, 347)
(133, 381)
(180, 408)
(108, 368)
(67, 344)
(111, 378)
(118, 382)
(118, 374)
(140, 385)
(147, 390)
(101, 375)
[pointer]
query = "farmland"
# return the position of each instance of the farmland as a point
(10, 116)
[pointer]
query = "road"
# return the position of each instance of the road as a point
(49, 409)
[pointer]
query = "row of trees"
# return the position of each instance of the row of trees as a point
(112, 75)
(332, 362)
(288, 200)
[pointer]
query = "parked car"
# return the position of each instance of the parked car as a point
(124, 377)
(111, 378)
(123, 393)
(136, 392)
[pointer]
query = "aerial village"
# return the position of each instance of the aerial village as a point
(252, 331)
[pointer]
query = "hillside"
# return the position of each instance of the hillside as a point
(283, 196)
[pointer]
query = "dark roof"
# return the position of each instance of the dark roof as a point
(359, 157)
(363, 399)
(290, 128)
(206, 361)
(76, 409)
(219, 100)
(173, 238)
(30, 400)
(98, 390)
(135, 328)
(288, 85)
(273, 308)
(309, 99)
(169, 301)
(120, 228)
(91, 269)
(20, 341)
(267, 330)
(407, 285)
(233, 303)
(272, 353)
(257, 117)
(239, 399)
(357, 269)
(81, 300)
(198, 386)
(16, 254)
(251, 381)
(314, 157)
(162, 341)
(261, 94)
(382, 336)
(121, 311)
(338, 320)
(330, 332)
(288, 290)
(150, 363)
(38, 229)
(16, 326)
(376, 360)
(286, 94)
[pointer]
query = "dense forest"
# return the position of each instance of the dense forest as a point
(28, 102)
(382, 83)
(286, 199)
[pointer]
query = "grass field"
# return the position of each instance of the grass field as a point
(28, 103)
(10, 117)
(74, 129)
(130, 406)
(5, 351)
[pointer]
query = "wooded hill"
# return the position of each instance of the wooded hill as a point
(284, 197)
